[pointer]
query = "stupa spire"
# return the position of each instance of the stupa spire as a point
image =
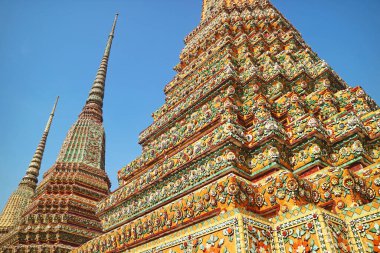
(22, 196)
(94, 103)
(33, 171)
(81, 150)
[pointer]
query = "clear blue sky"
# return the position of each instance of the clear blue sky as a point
(51, 48)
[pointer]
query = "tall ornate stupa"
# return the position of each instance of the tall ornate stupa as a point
(22, 196)
(259, 147)
(62, 214)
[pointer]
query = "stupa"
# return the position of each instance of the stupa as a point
(61, 215)
(259, 147)
(22, 196)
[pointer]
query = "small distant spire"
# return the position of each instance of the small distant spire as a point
(31, 177)
(94, 103)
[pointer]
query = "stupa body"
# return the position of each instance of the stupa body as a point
(259, 147)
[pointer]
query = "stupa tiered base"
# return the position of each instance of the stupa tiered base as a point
(233, 214)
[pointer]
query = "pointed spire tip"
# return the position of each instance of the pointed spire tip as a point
(48, 124)
(114, 24)
(55, 105)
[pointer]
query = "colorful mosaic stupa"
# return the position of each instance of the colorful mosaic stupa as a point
(22, 196)
(259, 147)
(62, 213)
